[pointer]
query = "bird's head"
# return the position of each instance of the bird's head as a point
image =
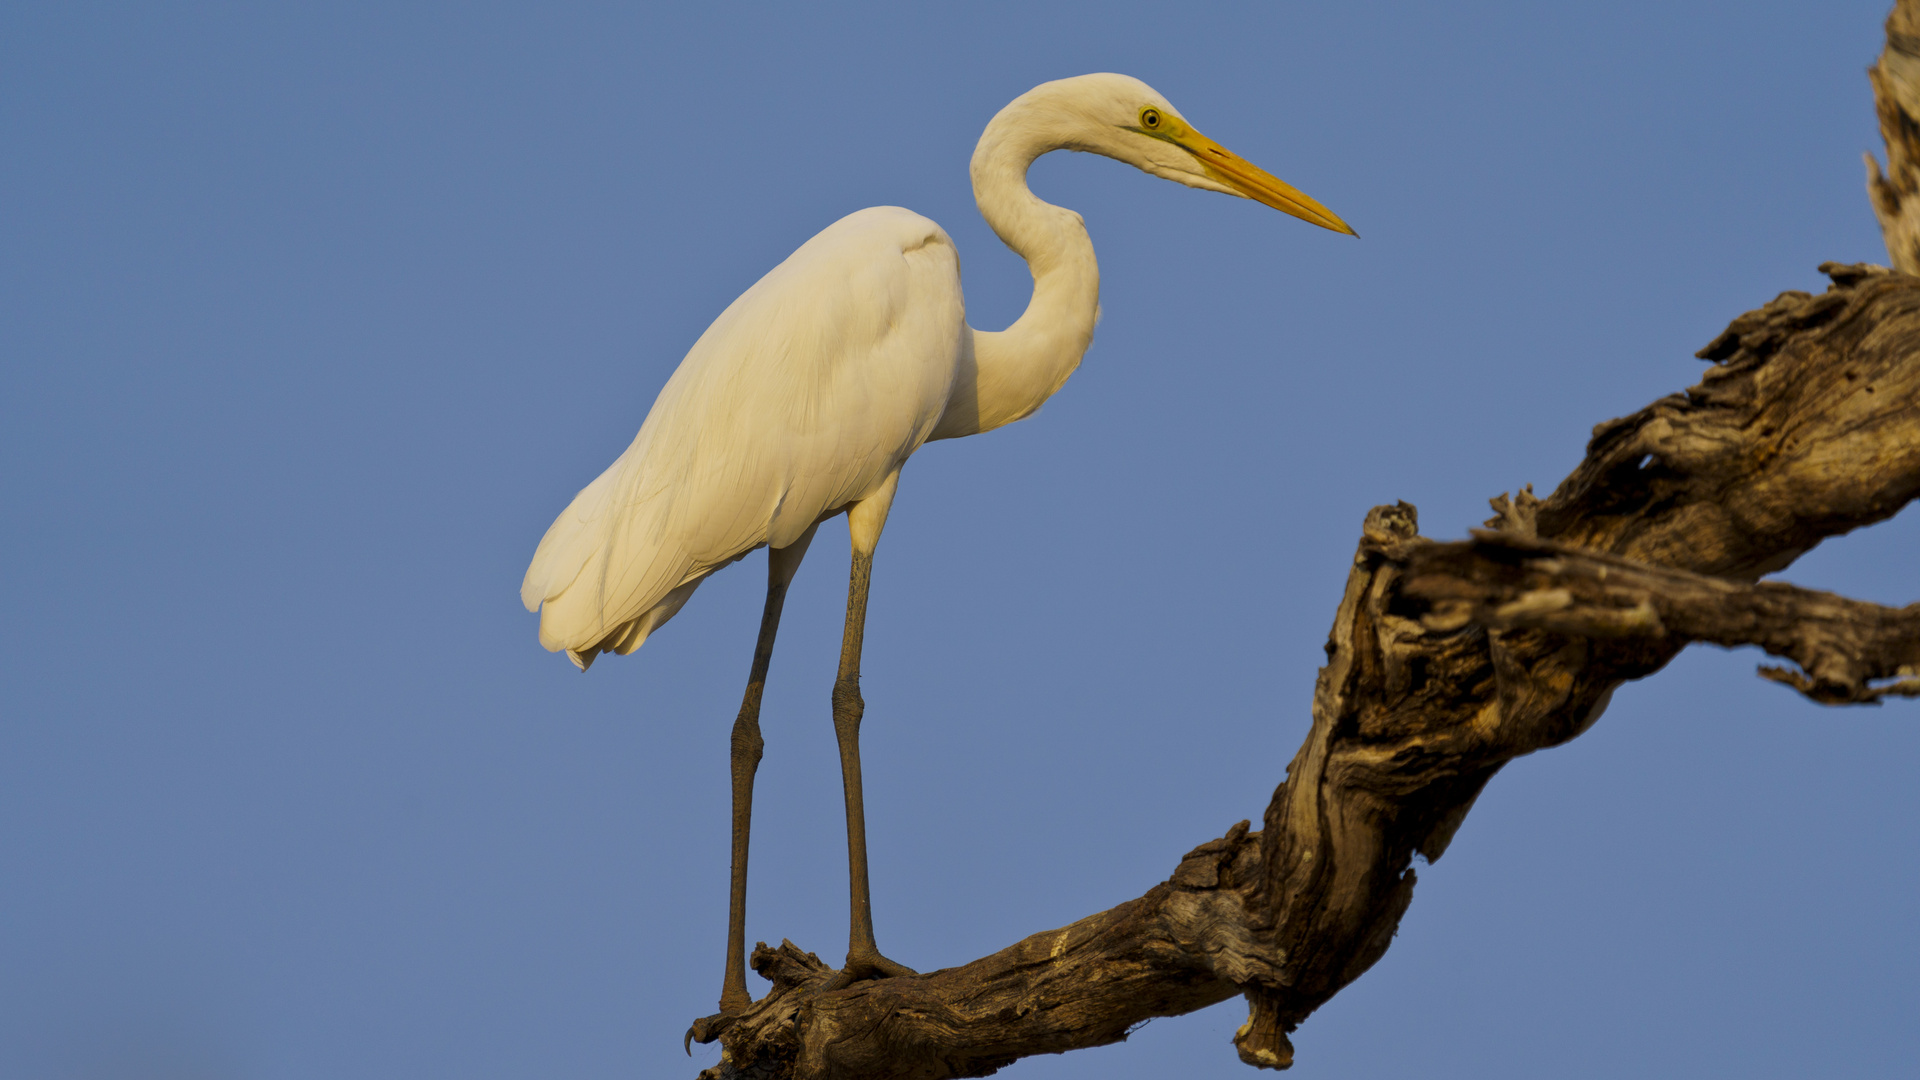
(1120, 117)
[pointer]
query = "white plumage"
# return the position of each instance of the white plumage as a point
(805, 395)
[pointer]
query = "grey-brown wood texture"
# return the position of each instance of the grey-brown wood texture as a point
(1895, 194)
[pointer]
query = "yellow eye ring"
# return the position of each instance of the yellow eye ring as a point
(1150, 118)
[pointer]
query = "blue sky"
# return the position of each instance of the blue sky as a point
(311, 318)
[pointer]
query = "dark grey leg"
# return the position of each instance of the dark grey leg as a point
(782, 564)
(864, 961)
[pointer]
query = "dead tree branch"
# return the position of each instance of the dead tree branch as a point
(1445, 662)
(1896, 98)
(1505, 582)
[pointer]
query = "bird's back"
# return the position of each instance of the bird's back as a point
(803, 396)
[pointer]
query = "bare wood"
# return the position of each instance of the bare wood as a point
(1844, 648)
(1896, 96)
(1445, 662)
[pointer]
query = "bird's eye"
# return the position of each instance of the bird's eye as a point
(1150, 118)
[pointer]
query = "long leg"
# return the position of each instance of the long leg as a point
(864, 522)
(782, 563)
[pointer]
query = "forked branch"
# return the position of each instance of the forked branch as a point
(1849, 652)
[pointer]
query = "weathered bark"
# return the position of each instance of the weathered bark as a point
(1896, 97)
(1505, 582)
(1445, 662)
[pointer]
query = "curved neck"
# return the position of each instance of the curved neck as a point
(1016, 369)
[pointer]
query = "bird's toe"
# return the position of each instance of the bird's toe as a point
(708, 1028)
(865, 967)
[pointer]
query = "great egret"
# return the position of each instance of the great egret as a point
(807, 395)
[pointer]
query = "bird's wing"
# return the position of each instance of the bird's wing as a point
(802, 397)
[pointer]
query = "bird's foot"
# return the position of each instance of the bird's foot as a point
(733, 1002)
(708, 1028)
(809, 976)
(864, 965)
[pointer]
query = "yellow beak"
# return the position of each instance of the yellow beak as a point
(1256, 183)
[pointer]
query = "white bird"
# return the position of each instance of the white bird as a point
(809, 392)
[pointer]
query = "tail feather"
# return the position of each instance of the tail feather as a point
(633, 633)
(571, 542)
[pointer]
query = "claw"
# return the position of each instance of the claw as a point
(706, 1029)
